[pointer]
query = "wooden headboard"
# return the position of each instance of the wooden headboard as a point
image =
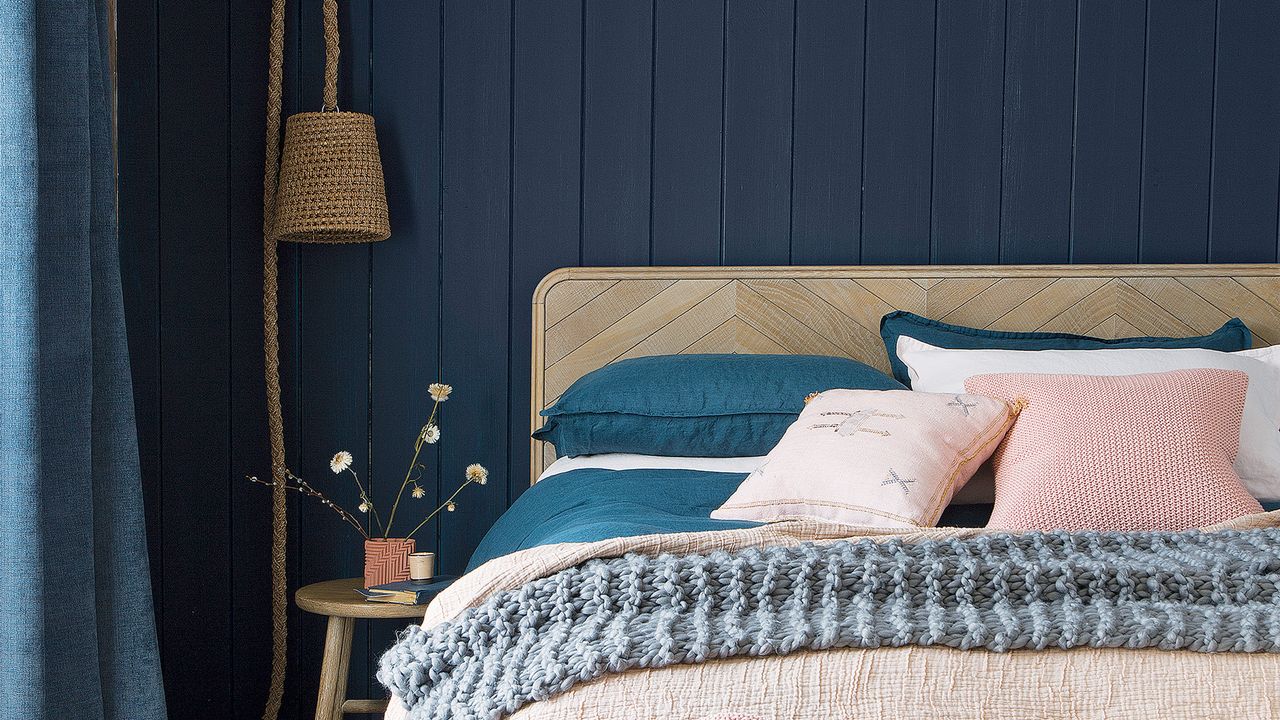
(585, 318)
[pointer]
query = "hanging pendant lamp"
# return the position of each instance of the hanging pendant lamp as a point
(327, 188)
(331, 184)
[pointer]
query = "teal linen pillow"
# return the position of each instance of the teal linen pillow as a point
(1231, 337)
(695, 405)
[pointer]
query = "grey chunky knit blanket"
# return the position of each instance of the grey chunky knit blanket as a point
(1199, 591)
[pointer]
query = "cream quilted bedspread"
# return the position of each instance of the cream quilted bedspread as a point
(883, 683)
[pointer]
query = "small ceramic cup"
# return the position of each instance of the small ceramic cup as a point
(422, 566)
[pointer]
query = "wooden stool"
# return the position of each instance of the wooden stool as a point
(338, 600)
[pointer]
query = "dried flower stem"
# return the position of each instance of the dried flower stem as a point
(408, 475)
(303, 488)
(373, 511)
(443, 505)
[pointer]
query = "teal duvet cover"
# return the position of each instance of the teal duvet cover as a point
(592, 504)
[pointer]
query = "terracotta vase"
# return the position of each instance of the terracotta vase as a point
(386, 561)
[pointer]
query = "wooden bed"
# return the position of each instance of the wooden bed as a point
(584, 318)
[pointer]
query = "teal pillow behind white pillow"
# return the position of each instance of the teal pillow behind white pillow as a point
(697, 405)
(1232, 336)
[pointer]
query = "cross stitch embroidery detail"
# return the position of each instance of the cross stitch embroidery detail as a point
(758, 472)
(855, 422)
(961, 405)
(894, 479)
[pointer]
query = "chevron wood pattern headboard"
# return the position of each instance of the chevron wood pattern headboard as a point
(584, 318)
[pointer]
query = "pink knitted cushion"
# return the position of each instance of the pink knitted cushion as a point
(1129, 452)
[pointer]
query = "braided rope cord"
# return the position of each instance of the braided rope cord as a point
(271, 364)
(331, 52)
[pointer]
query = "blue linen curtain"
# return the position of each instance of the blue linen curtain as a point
(77, 632)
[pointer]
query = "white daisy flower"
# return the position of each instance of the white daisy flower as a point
(477, 474)
(418, 492)
(364, 507)
(451, 507)
(341, 461)
(431, 434)
(439, 391)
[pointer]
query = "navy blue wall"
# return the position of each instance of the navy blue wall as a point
(525, 135)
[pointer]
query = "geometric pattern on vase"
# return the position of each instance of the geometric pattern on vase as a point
(386, 561)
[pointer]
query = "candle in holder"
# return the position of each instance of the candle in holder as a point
(422, 566)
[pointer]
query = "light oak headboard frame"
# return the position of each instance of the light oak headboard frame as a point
(585, 318)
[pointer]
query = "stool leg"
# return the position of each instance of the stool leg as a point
(334, 667)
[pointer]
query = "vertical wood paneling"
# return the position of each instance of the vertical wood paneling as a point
(335, 333)
(521, 136)
(546, 137)
(250, 523)
(295, 701)
(826, 179)
(898, 127)
(616, 125)
(1246, 133)
(967, 116)
(194, 362)
(355, 75)
(1177, 132)
(405, 348)
(474, 349)
(406, 352)
(1108, 131)
(688, 71)
(355, 89)
(757, 132)
(1038, 89)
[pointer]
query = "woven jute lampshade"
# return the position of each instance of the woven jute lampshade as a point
(331, 186)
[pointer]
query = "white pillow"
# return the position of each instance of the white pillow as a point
(935, 369)
(632, 461)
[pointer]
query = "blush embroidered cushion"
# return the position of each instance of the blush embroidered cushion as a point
(872, 458)
(1129, 452)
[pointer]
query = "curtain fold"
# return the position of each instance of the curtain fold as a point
(77, 631)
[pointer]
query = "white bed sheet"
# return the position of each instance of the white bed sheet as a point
(630, 461)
